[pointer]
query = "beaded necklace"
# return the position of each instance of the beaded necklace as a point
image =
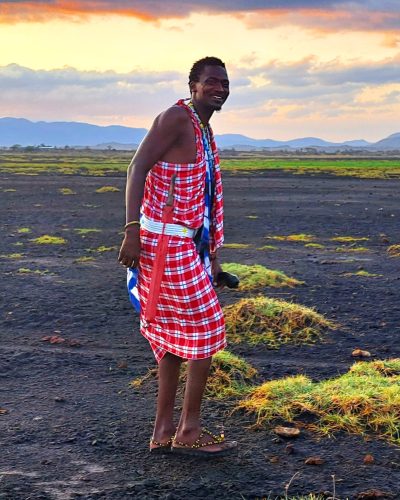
(203, 245)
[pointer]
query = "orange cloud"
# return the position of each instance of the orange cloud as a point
(25, 11)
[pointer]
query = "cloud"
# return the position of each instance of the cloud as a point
(292, 93)
(314, 14)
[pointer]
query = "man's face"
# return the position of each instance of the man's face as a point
(212, 89)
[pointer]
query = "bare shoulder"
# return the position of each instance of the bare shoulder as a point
(175, 116)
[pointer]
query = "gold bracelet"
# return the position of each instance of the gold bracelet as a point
(132, 223)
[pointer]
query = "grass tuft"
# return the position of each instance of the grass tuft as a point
(394, 250)
(230, 376)
(25, 270)
(24, 230)
(86, 230)
(257, 276)
(237, 245)
(293, 237)
(366, 274)
(12, 255)
(352, 249)
(349, 239)
(66, 191)
(108, 189)
(314, 245)
(84, 259)
(102, 249)
(267, 247)
(364, 400)
(273, 322)
(49, 240)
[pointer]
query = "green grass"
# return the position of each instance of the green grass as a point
(46, 239)
(273, 322)
(257, 276)
(103, 163)
(24, 230)
(365, 400)
(103, 248)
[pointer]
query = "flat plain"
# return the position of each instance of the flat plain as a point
(72, 426)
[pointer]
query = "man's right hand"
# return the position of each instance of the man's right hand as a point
(129, 253)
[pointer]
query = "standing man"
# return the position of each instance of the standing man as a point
(177, 165)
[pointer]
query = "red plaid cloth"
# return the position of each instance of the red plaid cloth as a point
(189, 321)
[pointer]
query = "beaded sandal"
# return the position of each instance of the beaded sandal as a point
(161, 448)
(196, 449)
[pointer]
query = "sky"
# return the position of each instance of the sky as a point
(298, 68)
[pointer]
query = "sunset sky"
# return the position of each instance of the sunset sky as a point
(298, 68)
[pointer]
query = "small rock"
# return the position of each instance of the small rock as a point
(274, 459)
(314, 461)
(368, 459)
(359, 353)
(287, 431)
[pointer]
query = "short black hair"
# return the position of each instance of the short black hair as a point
(198, 67)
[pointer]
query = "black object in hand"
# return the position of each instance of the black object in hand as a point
(227, 279)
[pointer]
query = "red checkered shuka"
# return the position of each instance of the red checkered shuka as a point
(189, 321)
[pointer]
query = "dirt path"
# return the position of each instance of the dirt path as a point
(75, 429)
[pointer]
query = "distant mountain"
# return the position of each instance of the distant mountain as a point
(60, 134)
(25, 132)
(391, 142)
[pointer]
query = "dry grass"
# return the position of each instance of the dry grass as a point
(85, 230)
(38, 272)
(257, 276)
(230, 376)
(102, 249)
(237, 245)
(107, 189)
(273, 322)
(365, 399)
(365, 274)
(293, 237)
(82, 260)
(24, 230)
(49, 240)
(394, 250)
(314, 245)
(349, 239)
(352, 249)
(66, 191)
(267, 247)
(15, 256)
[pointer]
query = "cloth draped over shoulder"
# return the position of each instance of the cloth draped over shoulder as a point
(189, 320)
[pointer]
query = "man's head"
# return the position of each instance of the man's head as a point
(208, 83)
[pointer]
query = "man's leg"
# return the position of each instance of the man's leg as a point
(189, 427)
(168, 376)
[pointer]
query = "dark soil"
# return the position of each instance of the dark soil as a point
(73, 427)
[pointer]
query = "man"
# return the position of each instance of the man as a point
(178, 155)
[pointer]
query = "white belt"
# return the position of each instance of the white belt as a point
(170, 229)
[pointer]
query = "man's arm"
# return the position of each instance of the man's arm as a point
(165, 132)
